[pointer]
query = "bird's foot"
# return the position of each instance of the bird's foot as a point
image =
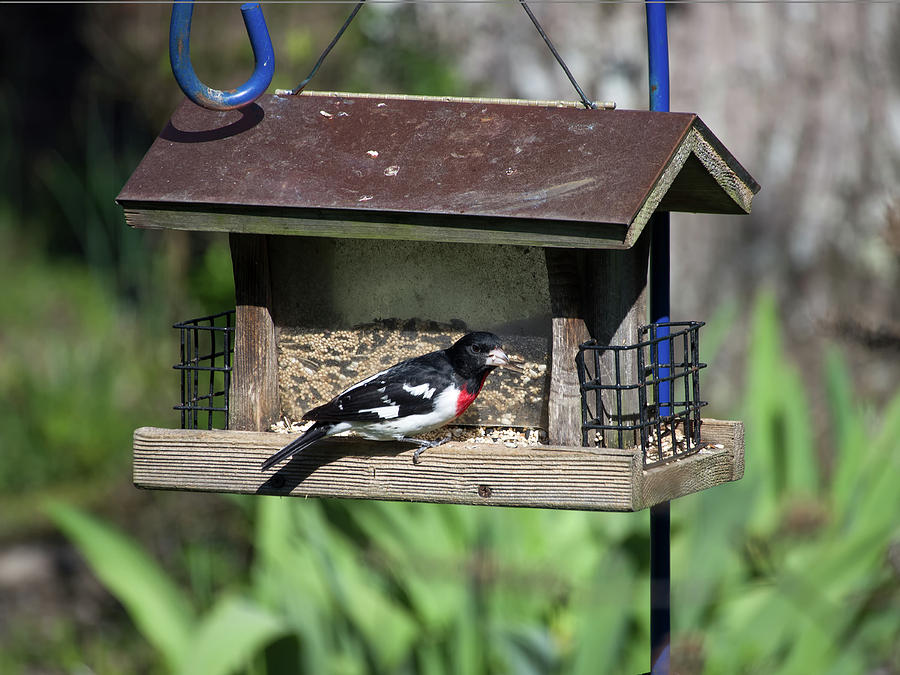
(424, 445)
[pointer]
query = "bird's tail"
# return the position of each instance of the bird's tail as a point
(316, 432)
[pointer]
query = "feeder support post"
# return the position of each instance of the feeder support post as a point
(254, 396)
(616, 297)
(568, 332)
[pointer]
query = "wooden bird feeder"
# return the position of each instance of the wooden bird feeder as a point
(369, 229)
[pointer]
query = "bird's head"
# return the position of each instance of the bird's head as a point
(475, 353)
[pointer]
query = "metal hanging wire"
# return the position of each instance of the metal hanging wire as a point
(586, 102)
(300, 87)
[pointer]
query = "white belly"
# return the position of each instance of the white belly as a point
(389, 429)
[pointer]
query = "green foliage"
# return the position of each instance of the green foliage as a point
(215, 644)
(210, 277)
(83, 190)
(384, 49)
(157, 606)
(75, 372)
(783, 572)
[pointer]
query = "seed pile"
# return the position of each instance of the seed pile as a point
(630, 439)
(682, 444)
(665, 448)
(511, 437)
(316, 365)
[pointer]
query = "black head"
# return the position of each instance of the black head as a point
(477, 353)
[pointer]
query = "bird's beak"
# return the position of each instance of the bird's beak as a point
(497, 357)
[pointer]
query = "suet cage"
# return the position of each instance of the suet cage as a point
(207, 348)
(660, 410)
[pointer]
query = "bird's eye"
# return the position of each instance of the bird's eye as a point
(476, 348)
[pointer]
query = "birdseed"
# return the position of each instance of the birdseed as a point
(511, 437)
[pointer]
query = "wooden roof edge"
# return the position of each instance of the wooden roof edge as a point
(720, 166)
(722, 152)
(372, 225)
(667, 176)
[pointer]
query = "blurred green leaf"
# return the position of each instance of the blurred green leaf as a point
(228, 637)
(158, 607)
(848, 431)
(602, 617)
(529, 651)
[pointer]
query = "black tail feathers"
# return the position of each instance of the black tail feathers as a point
(316, 432)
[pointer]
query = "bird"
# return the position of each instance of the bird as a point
(411, 397)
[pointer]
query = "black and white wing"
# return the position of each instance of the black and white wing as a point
(408, 388)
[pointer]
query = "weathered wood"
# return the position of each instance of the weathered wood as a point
(692, 190)
(696, 472)
(569, 331)
(254, 383)
(346, 225)
(455, 473)
(701, 177)
(729, 434)
(615, 305)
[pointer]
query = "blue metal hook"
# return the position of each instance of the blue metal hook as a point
(193, 88)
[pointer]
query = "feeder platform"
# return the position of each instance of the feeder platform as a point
(593, 479)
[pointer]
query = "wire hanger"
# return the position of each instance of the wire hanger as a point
(586, 102)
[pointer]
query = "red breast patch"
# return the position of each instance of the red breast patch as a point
(466, 397)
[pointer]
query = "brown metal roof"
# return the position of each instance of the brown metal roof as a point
(330, 158)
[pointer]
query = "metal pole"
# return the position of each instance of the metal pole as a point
(660, 583)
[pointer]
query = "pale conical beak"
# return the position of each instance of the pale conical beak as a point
(497, 357)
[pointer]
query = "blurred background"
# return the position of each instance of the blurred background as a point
(794, 569)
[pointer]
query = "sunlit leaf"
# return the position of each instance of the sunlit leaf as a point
(158, 607)
(226, 639)
(603, 613)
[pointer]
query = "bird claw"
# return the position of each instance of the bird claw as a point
(424, 445)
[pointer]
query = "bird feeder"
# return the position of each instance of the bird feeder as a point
(368, 229)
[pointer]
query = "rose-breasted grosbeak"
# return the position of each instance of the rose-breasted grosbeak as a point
(411, 397)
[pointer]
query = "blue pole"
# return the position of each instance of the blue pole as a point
(660, 523)
(658, 57)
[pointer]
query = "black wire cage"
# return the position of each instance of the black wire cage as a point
(207, 346)
(645, 394)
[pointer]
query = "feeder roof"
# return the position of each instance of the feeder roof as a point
(465, 170)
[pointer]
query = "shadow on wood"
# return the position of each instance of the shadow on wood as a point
(290, 475)
(250, 116)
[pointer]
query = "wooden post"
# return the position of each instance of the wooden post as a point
(615, 307)
(569, 331)
(254, 402)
